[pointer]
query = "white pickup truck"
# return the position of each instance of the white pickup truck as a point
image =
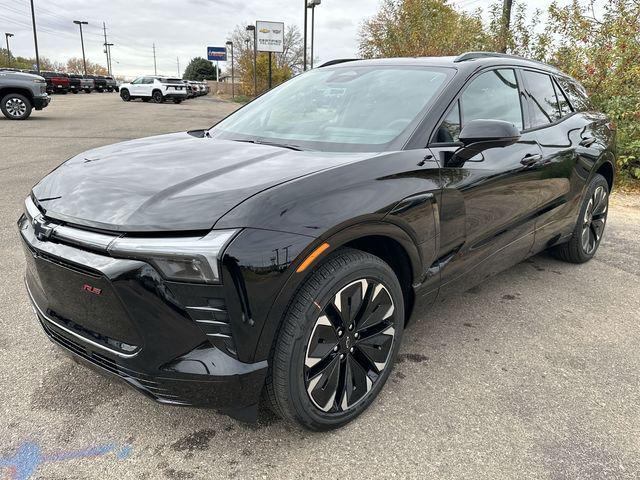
(154, 88)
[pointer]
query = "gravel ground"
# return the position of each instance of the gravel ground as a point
(533, 374)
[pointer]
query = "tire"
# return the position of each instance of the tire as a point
(589, 229)
(157, 96)
(87, 90)
(15, 106)
(74, 91)
(177, 101)
(303, 358)
(146, 100)
(125, 95)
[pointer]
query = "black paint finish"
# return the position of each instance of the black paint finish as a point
(443, 225)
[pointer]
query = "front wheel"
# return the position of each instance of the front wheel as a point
(588, 231)
(338, 341)
(15, 106)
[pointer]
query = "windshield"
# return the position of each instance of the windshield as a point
(359, 108)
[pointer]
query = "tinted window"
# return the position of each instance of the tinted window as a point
(342, 108)
(147, 80)
(137, 81)
(493, 96)
(575, 93)
(543, 102)
(563, 101)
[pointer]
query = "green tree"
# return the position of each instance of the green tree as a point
(421, 28)
(200, 69)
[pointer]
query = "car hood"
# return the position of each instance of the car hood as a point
(173, 182)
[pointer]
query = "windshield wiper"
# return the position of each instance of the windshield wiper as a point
(290, 146)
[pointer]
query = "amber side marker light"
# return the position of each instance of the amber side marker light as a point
(312, 256)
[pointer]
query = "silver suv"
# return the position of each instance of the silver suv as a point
(20, 93)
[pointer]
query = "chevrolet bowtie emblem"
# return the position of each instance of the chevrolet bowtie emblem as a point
(41, 230)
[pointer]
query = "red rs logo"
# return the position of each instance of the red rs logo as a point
(90, 289)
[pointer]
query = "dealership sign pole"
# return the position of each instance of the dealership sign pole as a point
(270, 38)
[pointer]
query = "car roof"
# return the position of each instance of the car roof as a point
(469, 61)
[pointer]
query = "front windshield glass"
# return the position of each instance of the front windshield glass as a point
(359, 108)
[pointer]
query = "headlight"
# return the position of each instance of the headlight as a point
(184, 259)
(39, 80)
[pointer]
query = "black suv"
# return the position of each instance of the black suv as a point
(285, 249)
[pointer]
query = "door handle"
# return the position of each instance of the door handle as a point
(531, 159)
(587, 142)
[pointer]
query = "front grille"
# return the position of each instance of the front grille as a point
(139, 380)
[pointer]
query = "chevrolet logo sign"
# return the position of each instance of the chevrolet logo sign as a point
(41, 229)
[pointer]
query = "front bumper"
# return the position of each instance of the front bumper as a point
(172, 342)
(41, 102)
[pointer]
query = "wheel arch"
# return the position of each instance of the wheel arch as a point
(607, 170)
(385, 240)
(21, 91)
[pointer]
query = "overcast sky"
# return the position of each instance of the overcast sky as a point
(179, 28)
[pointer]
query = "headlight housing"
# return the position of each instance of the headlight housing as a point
(183, 259)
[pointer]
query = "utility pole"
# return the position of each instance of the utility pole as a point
(155, 66)
(305, 36)
(35, 36)
(6, 37)
(506, 24)
(106, 48)
(178, 62)
(84, 61)
(252, 29)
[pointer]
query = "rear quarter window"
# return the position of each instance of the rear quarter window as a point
(575, 93)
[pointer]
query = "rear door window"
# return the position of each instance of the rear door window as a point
(541, 95)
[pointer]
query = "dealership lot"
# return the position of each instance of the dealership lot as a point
(533, 374)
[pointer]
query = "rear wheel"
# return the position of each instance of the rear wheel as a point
(145, 100)
(588, 231)
(157, 96)
(177, 100)
(15, 106)
(338, 341)
(125, 95)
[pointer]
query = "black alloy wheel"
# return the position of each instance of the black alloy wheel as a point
(157, 96)
(349, 346)
(338, 341)
(590, 226)
(125, 95)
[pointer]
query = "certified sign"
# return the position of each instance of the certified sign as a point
(270, 36)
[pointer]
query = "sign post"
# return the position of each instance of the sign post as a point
(270, 38)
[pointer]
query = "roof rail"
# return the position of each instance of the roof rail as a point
(474, 55)
(337, 61)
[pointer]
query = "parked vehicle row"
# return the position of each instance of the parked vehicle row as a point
(59, 82)
(20, 93)
(160, 89)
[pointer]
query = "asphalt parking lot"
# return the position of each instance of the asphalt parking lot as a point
(533, 374)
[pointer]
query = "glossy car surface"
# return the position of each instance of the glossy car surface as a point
(288, 245)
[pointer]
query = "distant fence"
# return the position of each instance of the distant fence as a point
(221, 87)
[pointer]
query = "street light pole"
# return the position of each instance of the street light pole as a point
(233, 81)
(252, 28)
(6, 37)
(84, 61)
(305, 35)
(312, 4)
(35, 36)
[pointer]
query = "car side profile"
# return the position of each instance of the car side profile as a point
(280, 254)
(154, 88)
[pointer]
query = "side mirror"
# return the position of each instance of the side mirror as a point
(479, 135)
(497, 133)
